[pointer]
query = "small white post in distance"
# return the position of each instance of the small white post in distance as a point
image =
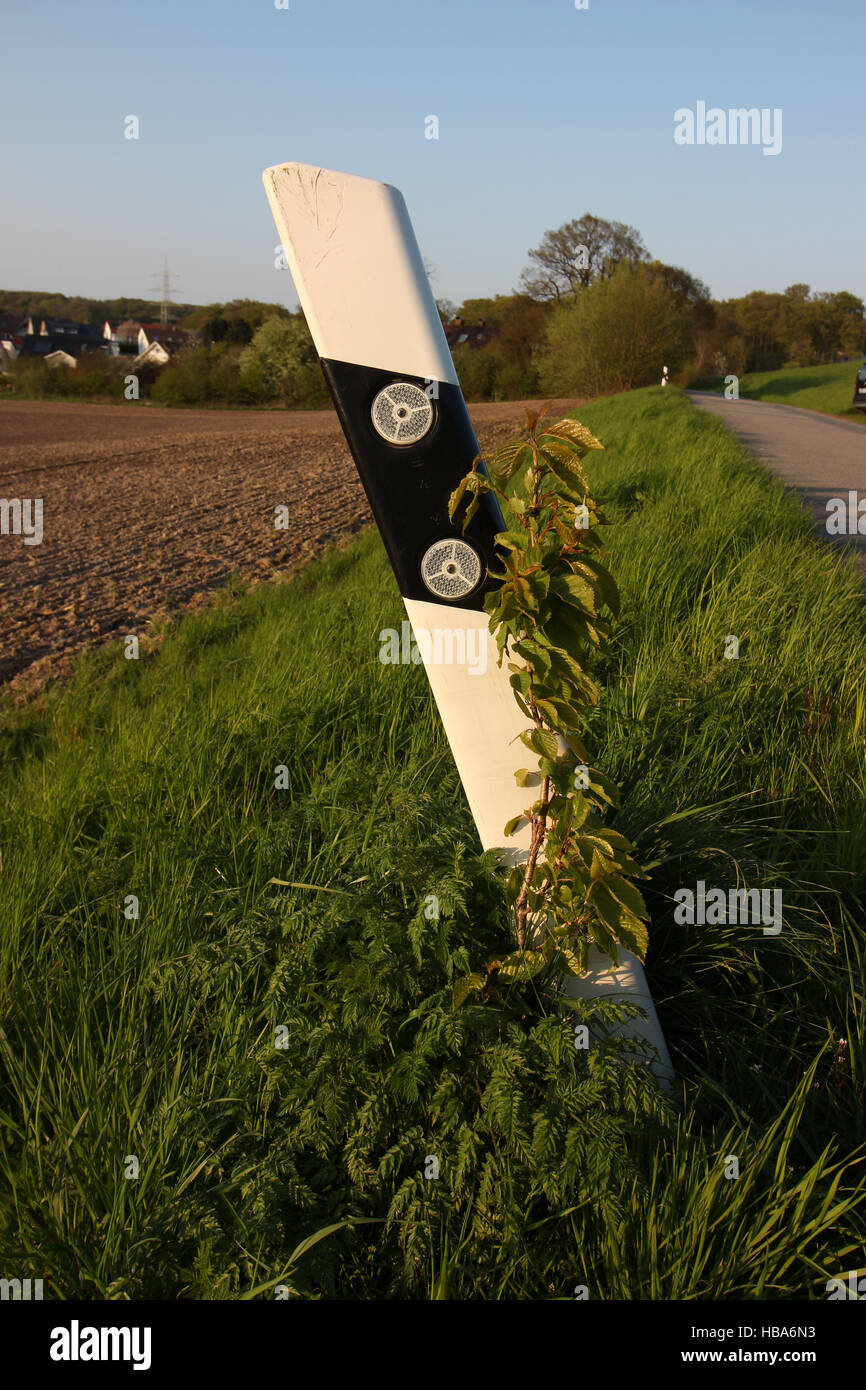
(361, 282)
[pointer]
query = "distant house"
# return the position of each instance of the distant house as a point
(168, 335)
(127, 334)
(59, 358)
(68, 328)
(474, 335)
(42, 344)
(151, 342)
(41, 337)
(34, 336)
(110, 343)
(10, 341)
(154, 353)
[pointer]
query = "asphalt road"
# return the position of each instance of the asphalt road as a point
(819, 456)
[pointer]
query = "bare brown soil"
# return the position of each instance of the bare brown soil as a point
(147, 511)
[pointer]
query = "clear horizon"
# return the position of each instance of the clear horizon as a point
(545, 112)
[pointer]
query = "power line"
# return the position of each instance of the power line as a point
(165, 280)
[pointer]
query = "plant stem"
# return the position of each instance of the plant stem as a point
(539, 820)
(539, 831)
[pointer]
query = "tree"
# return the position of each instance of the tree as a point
(760, 317)
(489, 310)
(253, 312)
(447, 310)
(852, 329)
(503, 369)
(476, 371)
(214, 330)
(281, 363)
(795, 320)
(521, 329)
(687, 287)
(519, 321)
(616, 335)
(797, 326)
(578, 254)
(838, 325)
(238, 331)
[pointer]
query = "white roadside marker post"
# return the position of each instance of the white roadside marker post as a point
(362, 285)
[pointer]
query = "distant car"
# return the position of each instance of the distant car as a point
(859, 401)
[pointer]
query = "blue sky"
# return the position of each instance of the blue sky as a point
(545, 112)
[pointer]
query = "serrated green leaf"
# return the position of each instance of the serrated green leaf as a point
(576, 590)
(604, 787)
(466, 985)
(545, 743)
(566, 428)
(573, 963)
(604, 938)
(509, 458)
(522, 965)
(457, 496)
(626, 893)
(564, 458)
(619, 921)
(570, 473)
(592, 568)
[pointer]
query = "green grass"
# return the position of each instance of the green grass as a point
(155, 1036)
(829, 388)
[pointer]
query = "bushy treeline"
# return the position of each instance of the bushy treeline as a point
(17, 304)
(594, 315)
(618, 332)
(617, 317)
(278, 366)
(762, 332)
(96, 377)
(39, 304)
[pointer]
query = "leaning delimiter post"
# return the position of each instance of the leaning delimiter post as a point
(362, 285)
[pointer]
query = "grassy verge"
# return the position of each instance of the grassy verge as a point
(281, 1057)
(829, 388)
